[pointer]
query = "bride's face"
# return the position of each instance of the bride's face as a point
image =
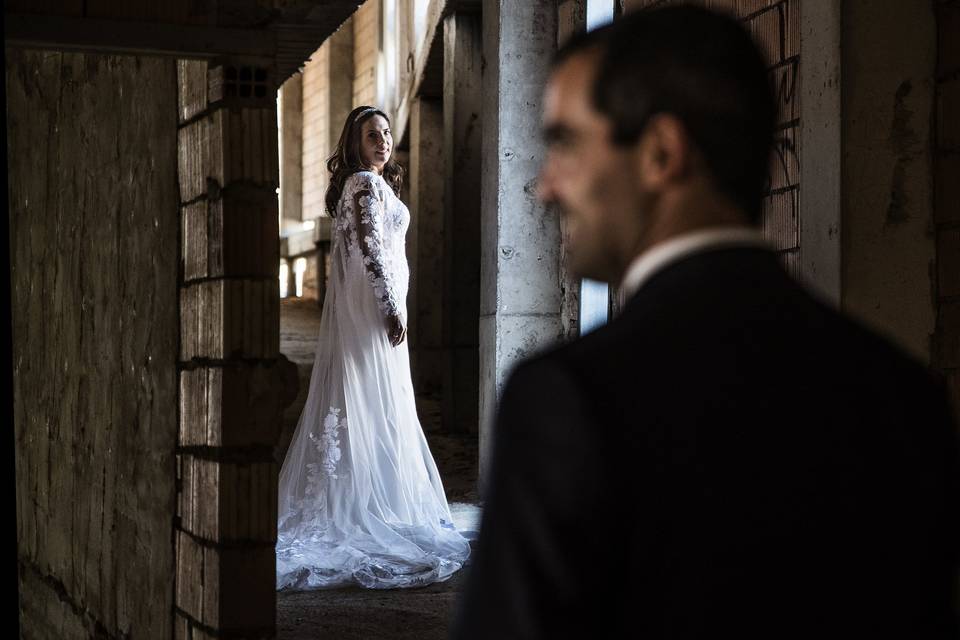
(376, 142)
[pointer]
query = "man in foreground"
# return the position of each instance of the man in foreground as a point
(729, 454)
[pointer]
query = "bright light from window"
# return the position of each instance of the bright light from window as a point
(599, 13)
(308, 225)
(389, 54)
(420, 24)
(280, 156)
(299, 266)
(594, 295)
(284, 278)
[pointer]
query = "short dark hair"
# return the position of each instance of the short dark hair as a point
(701, 66)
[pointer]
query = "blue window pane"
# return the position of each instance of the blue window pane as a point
(594, 297)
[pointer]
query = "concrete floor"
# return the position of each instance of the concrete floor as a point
(366, 614)
(355, 613)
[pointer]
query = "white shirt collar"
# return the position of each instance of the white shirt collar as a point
(663, 253)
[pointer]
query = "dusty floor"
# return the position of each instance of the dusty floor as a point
(362, 614)
(356, 613)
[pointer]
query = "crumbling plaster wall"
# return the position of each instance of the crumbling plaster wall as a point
(888, 244)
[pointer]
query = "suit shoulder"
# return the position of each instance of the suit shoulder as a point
(883, 351)
(598, 345)
(552, 374)
(548, 362)
(549, 403)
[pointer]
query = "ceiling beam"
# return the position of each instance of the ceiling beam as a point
(137, 38)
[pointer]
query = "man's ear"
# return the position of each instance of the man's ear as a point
(663, 152)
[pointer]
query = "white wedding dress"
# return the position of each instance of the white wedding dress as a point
(360, 498)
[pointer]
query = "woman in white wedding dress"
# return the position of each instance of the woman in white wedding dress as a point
(360, 498)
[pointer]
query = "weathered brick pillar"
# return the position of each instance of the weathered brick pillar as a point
(233, 381)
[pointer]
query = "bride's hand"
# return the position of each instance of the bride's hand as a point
(396, 332)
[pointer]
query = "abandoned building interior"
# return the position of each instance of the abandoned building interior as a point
(167, 171)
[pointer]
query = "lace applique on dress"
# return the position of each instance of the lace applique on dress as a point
(328, 446)
(371, 222)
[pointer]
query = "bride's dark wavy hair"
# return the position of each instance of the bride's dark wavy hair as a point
(346, 159)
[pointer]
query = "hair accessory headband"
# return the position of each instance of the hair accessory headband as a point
(364, 112)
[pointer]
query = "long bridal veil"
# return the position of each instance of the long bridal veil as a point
(360, 499)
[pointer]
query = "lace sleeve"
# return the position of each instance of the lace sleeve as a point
(369, 209)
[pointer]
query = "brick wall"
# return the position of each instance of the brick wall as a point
(946, 343)
(316, 130)
(366, 52)
(327, 99)
(775, 26)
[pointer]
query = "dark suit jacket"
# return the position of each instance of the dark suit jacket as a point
(727, 456)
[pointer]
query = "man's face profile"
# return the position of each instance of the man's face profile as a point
(586, 177)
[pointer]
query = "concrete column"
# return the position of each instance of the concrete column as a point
(425, 254)
(462, 97)
(820, 143)
(520, 290)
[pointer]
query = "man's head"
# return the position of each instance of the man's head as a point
(659, 123)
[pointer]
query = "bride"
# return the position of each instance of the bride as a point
(360, 498)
